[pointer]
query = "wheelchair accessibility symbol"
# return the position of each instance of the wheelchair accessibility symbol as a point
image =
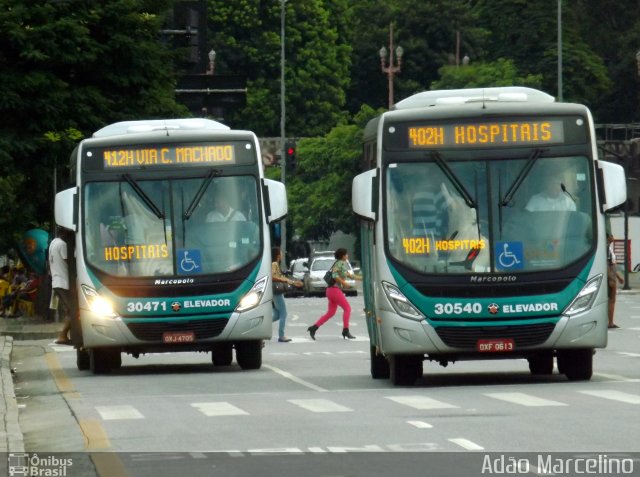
(509, 256)
(189, 261)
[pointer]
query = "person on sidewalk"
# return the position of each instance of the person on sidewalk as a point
(59, 268)
(279, 305)
(335, 295)
(613, 276)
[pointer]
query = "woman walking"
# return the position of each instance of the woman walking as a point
(279, 306)
(335, 295)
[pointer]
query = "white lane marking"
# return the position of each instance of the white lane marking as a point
(630, 355)
(616, 377)
(420, 424)
(614, 396)
(466, 444)
(320, 405)
(421, 402)
(295, 379)
(218, 409)
(113, 413)
(524, 399)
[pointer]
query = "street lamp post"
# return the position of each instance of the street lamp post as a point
(392, 69)
(212, 61)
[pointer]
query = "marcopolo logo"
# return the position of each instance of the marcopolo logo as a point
(24, 465)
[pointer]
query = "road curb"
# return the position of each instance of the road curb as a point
(13, 439)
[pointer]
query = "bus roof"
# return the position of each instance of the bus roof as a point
(150, 125)
(461, 96)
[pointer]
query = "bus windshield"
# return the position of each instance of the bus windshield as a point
(489, 216)
(166, 227)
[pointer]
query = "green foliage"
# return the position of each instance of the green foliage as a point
(499, 73)
(246, 36)
(320, 192)
(67, 69)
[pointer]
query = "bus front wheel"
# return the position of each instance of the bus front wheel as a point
(103, 360)
(541, 364)
(576, 364)
(379, 365)
(83, 360)
(404, 369)
(222, 354)
(249, 354)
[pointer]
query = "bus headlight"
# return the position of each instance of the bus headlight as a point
(254, 296)
(584, 299)
(400, 302)
(97, 303)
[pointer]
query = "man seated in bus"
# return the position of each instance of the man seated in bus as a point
(223, 212)
(554, 197)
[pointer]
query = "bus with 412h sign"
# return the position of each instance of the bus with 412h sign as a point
(172, 246)
(483, 232)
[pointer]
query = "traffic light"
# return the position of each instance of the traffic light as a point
(290, 156)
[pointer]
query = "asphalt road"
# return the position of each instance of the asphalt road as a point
(313, 408)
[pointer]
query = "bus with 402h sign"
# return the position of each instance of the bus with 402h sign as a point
(172, 245)
(483, 232)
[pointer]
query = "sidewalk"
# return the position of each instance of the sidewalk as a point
(23, 328)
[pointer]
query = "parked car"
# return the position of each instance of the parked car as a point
(297, 269)
(314, 277)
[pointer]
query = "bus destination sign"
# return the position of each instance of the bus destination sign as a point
(489, 134)
(150, 156)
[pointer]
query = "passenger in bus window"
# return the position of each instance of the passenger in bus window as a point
(555, 196)
(223, 212)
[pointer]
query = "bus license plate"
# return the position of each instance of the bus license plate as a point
(500, 345)
(179, 337)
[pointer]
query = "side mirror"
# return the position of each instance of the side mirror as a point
(277, 196)
(66, 209)
(364, 194)
(614, 185)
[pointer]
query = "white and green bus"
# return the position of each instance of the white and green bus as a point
(172, 245)
(483, 232)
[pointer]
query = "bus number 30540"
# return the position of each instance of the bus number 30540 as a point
(457, 308)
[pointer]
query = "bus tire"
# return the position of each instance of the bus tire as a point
(541, 364)
(576, 364)
(103, 360)
(222, 354)
(83, 361)
(379, 364)
(404, 369)
(249, 354)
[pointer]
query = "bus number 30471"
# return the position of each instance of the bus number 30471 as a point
(457, 308)
(146, 306)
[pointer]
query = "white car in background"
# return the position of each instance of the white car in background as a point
(313, 280)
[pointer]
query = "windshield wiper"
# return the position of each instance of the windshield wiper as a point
(435, 155)
(145, 198)
(533, 157)
(200, 193)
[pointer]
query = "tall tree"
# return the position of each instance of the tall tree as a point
(246, 35)
(320, 192)
(526, 32)
(612, 30)
(67, 68)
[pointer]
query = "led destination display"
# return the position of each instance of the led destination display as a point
(201, 154)
(513, 133)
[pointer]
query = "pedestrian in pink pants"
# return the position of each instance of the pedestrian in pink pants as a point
(335, 295)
